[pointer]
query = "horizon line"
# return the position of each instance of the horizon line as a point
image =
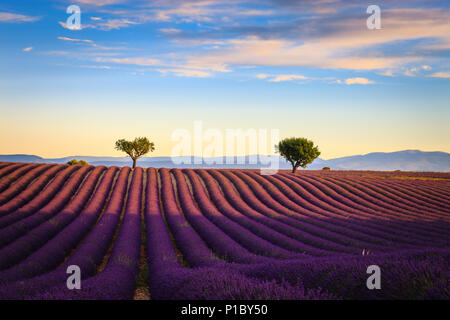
(223, 156)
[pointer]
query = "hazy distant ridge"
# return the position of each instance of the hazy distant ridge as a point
(408, 160)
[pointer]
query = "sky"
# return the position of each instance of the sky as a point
(148, 68)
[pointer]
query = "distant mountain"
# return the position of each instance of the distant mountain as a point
(408, 160)
(21, 158)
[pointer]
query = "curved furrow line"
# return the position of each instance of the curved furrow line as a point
(29, 193)
(357, 226)
(437, 188)
(280, 202)
(10, 168)
(37, 230)
(329, 192)
(365, 198)
(256, 227)
(404, 220)
(389, 196)
(6, 181)
(301, 220)
(302, 226)
(435, 213)
(5, 164)
(400, 220)
(322, 207)
(382, 200)
(325, 201)
(245, 237)
(55, 250)
(424, 198)
(117, 280)
(34, 198)
(429, 223)
(437, 185)
(226, 246)
(441, 192)
(61, 198)
(256, 210)
(23, 182)
(89, 253)
(336, 196)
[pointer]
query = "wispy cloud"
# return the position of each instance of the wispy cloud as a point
(188, 11)
(287, 77)
(442, 74)
(115, 24)
(256, 12)
(101, 24)
(187, 73)
(170, 30)
(332, 35)
(100, 3)
(145, 62)
(74, 27)
(415, 71)
(350, 81)
(75, 40)
(57, 53)
(181, 68)
(411, 72)
(340, 43)
(15, 17)
(91, 44)
(27, 49)
(96, 67)
(387, 73)
(283, 53)
(297, 78)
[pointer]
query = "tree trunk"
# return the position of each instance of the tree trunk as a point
(134, 163)
(294, 169)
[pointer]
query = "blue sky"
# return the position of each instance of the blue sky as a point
(147, 68)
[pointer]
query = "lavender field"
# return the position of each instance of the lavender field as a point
(222, 234)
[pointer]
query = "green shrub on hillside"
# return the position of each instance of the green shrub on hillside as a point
(77, 162)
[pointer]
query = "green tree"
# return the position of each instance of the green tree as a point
(76, 162)
(298, 151)
(136, 148)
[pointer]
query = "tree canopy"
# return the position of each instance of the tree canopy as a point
(298, 151)
(136, 148)
(77, 162)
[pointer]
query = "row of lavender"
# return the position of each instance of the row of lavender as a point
(207, 231)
